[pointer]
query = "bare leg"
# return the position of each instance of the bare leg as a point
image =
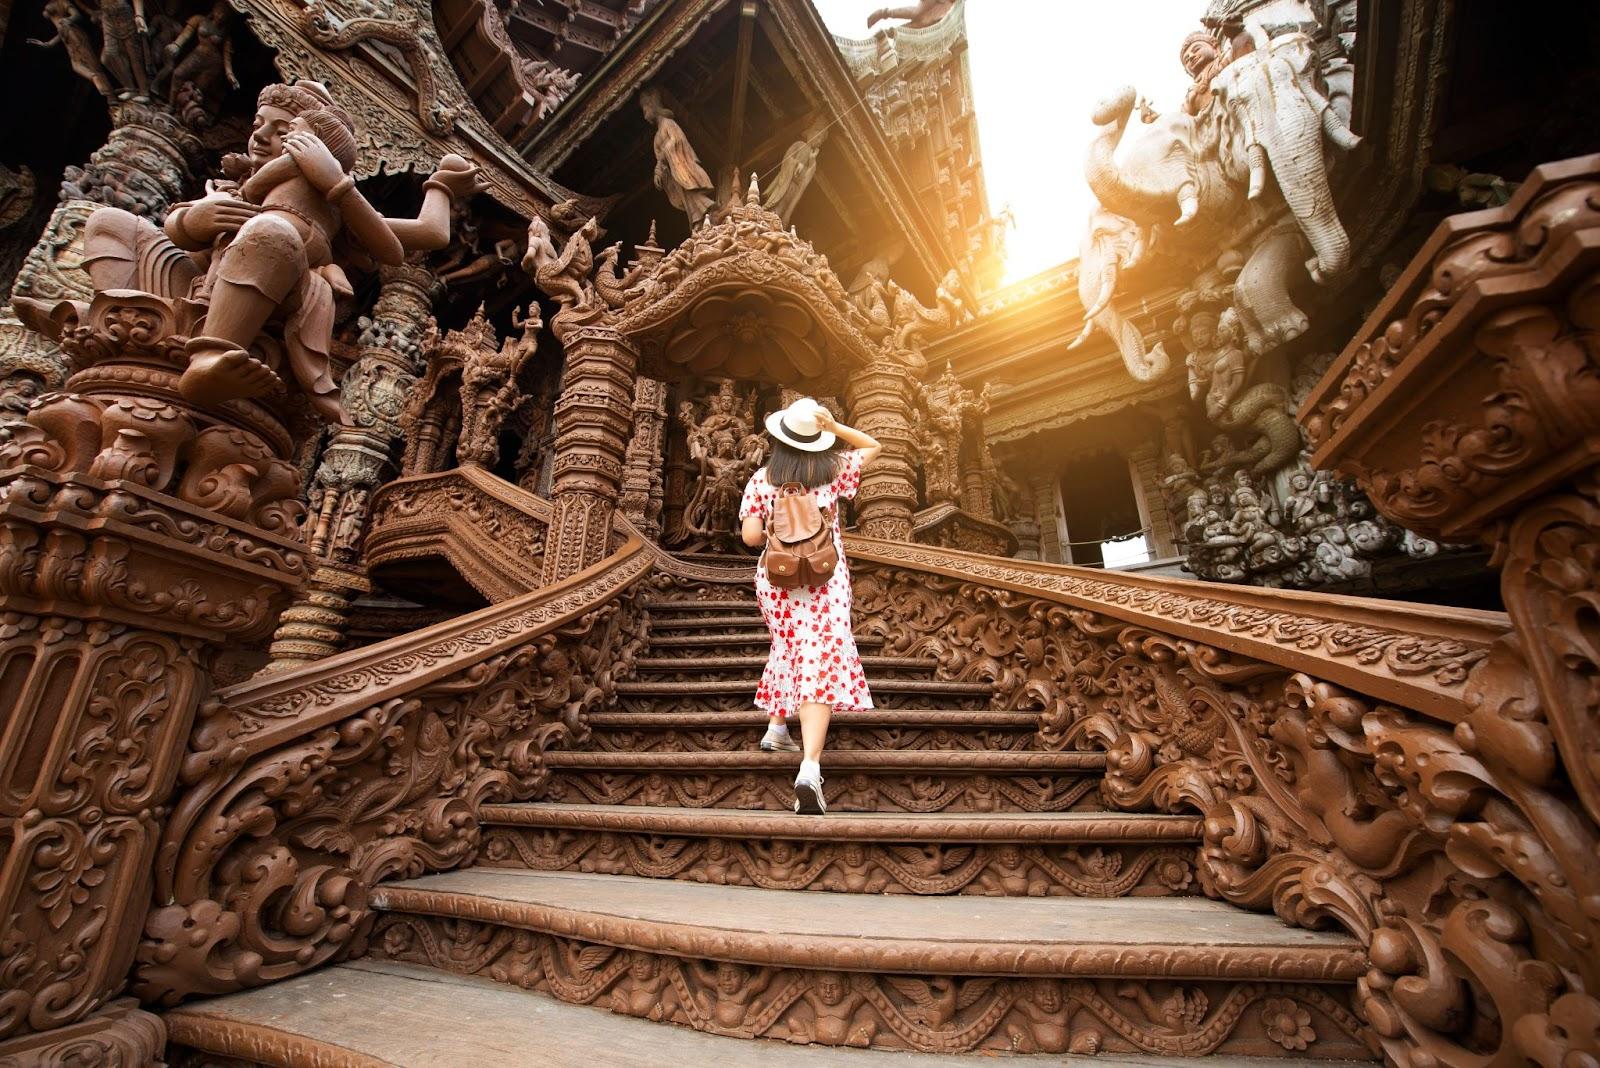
(814, 728)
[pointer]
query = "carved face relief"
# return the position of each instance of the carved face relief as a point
(830, 988)
(1196, 55)
(730, 978)
(267, 133)
(642, 968)
(1047, 995)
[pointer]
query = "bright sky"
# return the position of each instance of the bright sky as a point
(1038, 68)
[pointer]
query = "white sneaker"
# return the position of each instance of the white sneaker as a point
(779, 742)
(808, 794)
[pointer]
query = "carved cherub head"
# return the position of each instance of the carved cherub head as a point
(830, 988)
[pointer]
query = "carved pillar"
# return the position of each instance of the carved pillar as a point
(147, 163)
(358, 459)
(643, 484)
(879, 399)
(141, 533)
(594, 420)
(1145, 467)
(1046, 488)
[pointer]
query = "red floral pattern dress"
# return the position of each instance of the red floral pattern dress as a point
(814, 657)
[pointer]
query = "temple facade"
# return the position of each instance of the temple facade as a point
(379, 380)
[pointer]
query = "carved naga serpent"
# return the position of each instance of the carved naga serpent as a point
(438, 119)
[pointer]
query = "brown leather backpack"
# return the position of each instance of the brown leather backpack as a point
(800, 549)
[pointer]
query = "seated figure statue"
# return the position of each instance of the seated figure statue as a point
(267, 245)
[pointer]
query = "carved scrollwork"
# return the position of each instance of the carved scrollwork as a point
(272, 850)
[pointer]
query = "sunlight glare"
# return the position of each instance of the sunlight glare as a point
(1038, 68)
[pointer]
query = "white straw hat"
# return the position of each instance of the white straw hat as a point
(796, 426)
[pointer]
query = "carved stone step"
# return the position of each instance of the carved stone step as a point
(1079, 854)
(856, 780)
(663, 606)
(375, 1012)
(722, 620)
(881, 728)
(650, 695)
(700, 666)
(751, 641)
(1178, 975)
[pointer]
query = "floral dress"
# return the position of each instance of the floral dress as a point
(813, 658)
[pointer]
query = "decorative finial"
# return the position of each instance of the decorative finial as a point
(651, 240)
(753, 196)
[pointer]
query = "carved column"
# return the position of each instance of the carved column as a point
(643, 484)
(1045, 489)
(1145, 466)
(140, 534)
(361, 456)
(594, 420)
(147, 163)
(879, 399)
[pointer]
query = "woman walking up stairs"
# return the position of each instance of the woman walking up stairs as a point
(814, 666)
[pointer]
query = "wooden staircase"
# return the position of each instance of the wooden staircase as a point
(966, 893)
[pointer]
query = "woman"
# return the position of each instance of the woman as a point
(813, 667)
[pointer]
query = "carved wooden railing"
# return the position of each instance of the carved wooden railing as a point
(489, 530)
(1326, 742)
(303, 789)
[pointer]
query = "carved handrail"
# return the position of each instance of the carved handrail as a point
(307, 787)
(1416, 655)
(489, 530)
(1332, 748)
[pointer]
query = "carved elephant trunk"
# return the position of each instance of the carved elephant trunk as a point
(1136, 194)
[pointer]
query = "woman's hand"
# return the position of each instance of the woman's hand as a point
(826, 422)
(208, 219)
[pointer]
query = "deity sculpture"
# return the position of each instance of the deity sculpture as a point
(794, 175)
(209, 62)
(124, 51)
(678, 172)
(725, 450)
(72, 34)
(265, 247)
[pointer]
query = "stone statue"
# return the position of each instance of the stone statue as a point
(678, 173)
(918, 16)
(209, 62)
(565, 275)
(794, 175)
(266, 248)
(124, 50)
(1197, 178)
(72, 34)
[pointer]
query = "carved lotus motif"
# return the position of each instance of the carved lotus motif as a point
(749, 333)
(1287, 1024)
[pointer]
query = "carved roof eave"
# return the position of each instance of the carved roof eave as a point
(381, 92)
(820, 56)
(651, 324)
(669, 28)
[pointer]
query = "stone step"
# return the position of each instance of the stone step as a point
(710, 730)
(1078, 854)
(856, 780)
(874, 666)
(374, 1012)
(1172, 976)
(659, 606)
(753, 641)
(721, 620)
(661, 695)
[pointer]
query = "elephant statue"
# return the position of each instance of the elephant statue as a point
(1113, 244)
(1282, 116)
(1189, 182)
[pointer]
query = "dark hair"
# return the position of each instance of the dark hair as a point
(810, 469)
